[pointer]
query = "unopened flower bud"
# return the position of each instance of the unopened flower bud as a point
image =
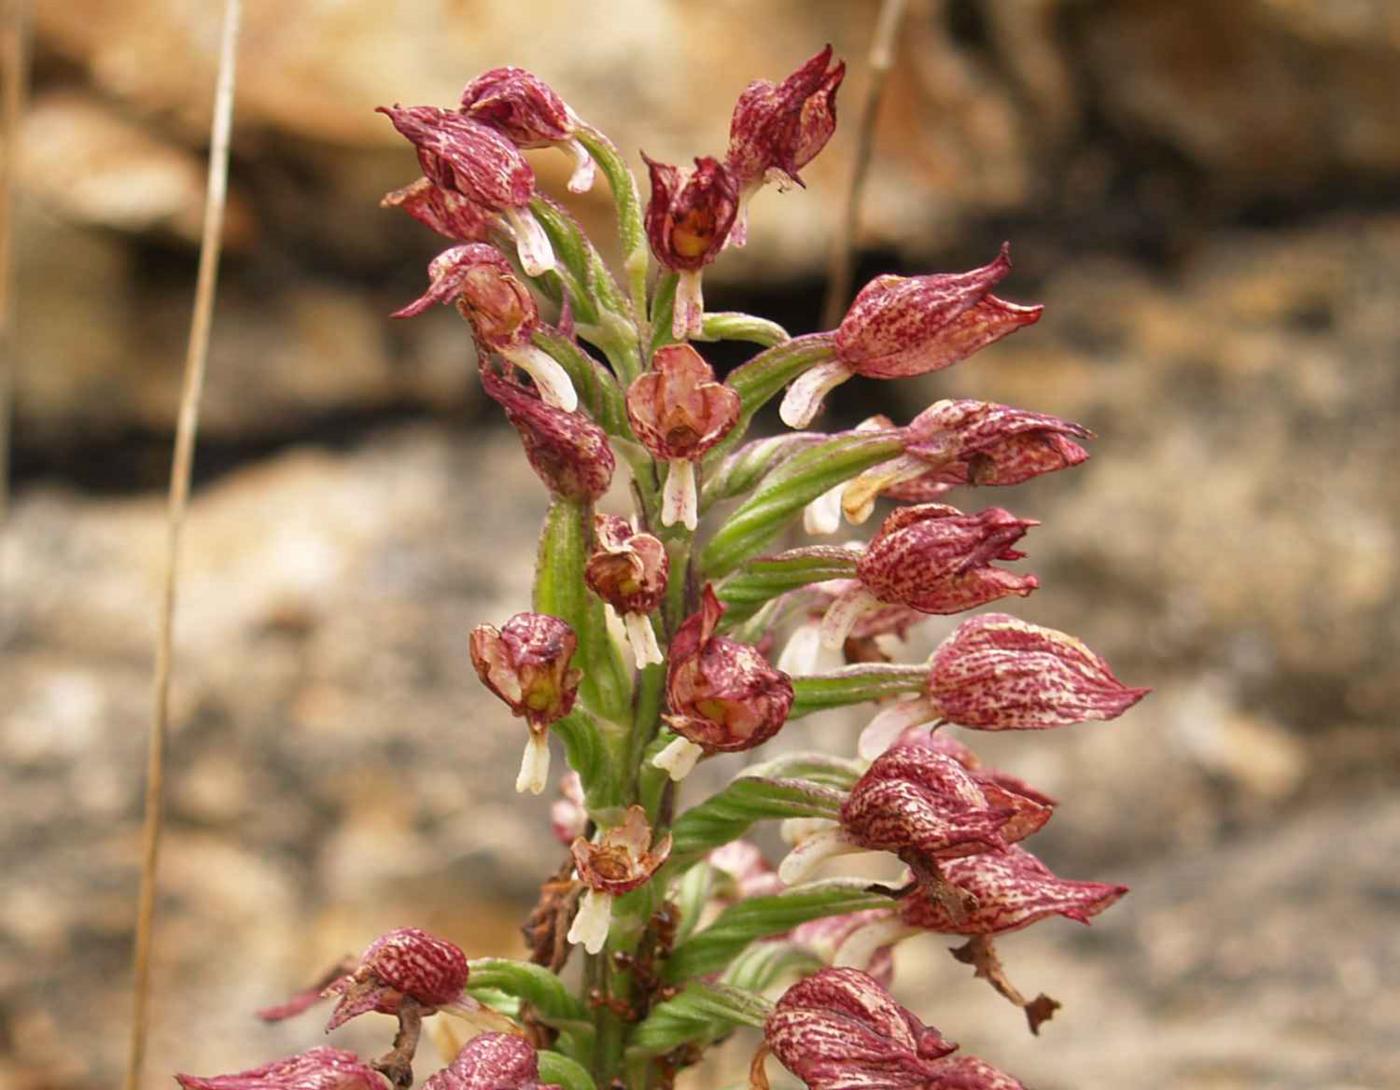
(935, 559)
(688, 220)
(902, 326)
(839, 1029)
(407, 963)
(922, 806)
(492, 1061)
(526, 664)
(777, 129)
(679, 412)
(568, 452)
(955, 443)
(1012, 890)
(475, 162)
(619, 861)
(723, 695)
(501, 311)
(996, 672)
(628, 571)
(322, 1068)
(528, 111)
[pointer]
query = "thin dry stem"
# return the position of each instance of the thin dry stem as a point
(14, 50)
(841, 257)
(196, 357)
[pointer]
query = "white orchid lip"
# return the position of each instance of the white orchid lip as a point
(679, 758)
(804, 397)
(688, 310)
(841, 616)
(592, 921)
(641, 637)
(679, 498)
(893, 720)
(551, 380)
(534, 765)
(531, 243)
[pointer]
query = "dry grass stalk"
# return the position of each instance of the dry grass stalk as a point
(14, 50)
(841, 257)
(196, 357)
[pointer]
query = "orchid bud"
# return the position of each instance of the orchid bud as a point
(1001, 788)
(446, 212)
(745, 871)
(622, 859)
(901, 326)
(491, 1061)
(628, 571)
(567, 451)
(526, 664)
(955, 443)
(501, 311)
(999, 673)
(777, 129)
(567, 817)
(915, 801)
(688, 220)
(1013, 889)
(723, 695)
(839, 1029)
(476, 162)
(935, 559)
(528, 111)
(678, 412)
(407, 963)
(322, 1068)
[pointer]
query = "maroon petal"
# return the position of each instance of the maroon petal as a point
(1013, 889)
(999, 673)
(322, 1068)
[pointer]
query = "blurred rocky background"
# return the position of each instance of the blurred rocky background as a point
(1205, 196)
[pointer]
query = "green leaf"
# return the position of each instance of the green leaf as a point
(597, 390)
(823, 768)
(760, 379)
(570, 270)
(560, 591)
(726, 816)
(562, 1071)
(592, 289)
(790, 487)
(747, 466)
(532, 984)
(764, 964)
(631, 231)
(759, 917)
(855, 685)
(730, 325)
(663, 309)
(768, 577)
(700, 1014)
(691, 895)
